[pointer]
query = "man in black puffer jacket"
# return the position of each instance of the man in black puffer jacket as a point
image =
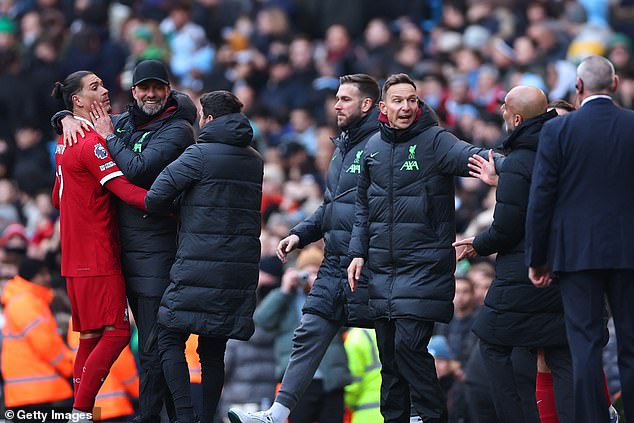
(212, 283)
(330, 304)
(154, 131)
(516, 313)
(404, 228)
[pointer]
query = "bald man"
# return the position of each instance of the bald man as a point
(579, 227)
(515, 312)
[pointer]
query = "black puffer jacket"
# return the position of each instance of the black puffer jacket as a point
(213, 280)
(148, 242)
(405, 220)
(515, 312)
(333, 221)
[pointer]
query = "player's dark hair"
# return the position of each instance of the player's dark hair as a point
(365, 83)
(220, 103)
(69, 87)
(561, 104)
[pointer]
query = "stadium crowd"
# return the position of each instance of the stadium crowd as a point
(283, 60)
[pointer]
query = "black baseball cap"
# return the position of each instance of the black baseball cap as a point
(150, 69)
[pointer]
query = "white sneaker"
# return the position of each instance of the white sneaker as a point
(614, 415)
(238, 416)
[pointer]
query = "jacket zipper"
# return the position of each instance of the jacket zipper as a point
(391, 229)
(336, 187)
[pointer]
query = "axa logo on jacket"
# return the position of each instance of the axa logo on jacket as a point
(355, 167)
(411, 163)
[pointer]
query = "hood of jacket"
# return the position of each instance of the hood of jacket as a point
(178, 106)
(18, 285)
(356, 132)
(232, 129)
(526, 135)
(426, 118)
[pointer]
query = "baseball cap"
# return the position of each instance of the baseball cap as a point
(150, 69)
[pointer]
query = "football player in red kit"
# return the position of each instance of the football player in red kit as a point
(86, 178)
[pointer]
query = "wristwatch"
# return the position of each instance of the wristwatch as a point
(111, 137)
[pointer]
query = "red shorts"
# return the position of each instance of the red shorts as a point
(98, 301)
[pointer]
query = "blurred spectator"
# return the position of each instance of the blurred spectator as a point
(271, 25)
(215, 16)
(482, 274)
(561, 77)
(303, 130)
(461, 341)
(250, 365)
(337, 50)
(363, 395)
(36, 364)
(446, 367)
(620, 52)
(310, 44)
(376, 53)
(282, 88)
(625, 90)
(192, 54)
(280, 313)
(249, 373)
(271, 271)
(32, 169)
(458, 331)
(90, 47)
(9, 207)
(14, 247)
(488, 91)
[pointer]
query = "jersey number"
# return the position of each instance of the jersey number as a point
(58, 173)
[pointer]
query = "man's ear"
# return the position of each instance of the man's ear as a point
(615, 83)
(383, 107)
(366, 104)
(579, 85)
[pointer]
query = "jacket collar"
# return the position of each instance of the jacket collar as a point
(595, 97)
(356, 132)
(526, 135)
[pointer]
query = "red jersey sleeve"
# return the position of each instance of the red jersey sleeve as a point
(98, 161)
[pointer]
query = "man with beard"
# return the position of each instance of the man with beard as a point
(515, 313)
(154, 131)
(330, 303)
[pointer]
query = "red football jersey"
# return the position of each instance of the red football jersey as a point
(88, 220)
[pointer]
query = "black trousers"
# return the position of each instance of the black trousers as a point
(582, 295)
(211, 352)
(153, 392)
(512, 373)
(477, 391)
(408, 370)
(317, 405)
